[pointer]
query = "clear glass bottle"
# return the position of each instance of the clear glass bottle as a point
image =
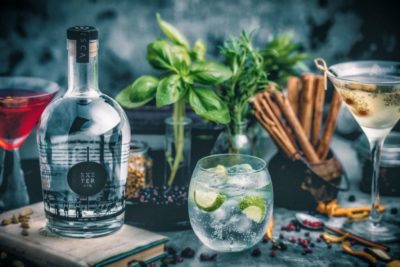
(234, 139)
(83, 144)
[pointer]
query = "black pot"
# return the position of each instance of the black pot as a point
(300, 186)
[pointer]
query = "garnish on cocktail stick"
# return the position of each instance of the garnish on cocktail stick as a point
(293, 92)
(307, 103)
(330, 124)
(318, 109)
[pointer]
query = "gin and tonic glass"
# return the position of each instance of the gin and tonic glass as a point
(230, 201)
(371, 91)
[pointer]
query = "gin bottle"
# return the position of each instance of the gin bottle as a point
(83, 142)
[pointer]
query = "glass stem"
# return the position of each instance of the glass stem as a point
(13, 191)
(376, 148)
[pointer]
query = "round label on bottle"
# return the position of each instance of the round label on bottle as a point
(87, 178)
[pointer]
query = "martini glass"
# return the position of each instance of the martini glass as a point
(22, 101)
(371, 91)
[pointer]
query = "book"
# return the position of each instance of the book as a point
(41, 247)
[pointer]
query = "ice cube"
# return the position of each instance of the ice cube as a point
(243, 181)
(240, 169)
(243, 224)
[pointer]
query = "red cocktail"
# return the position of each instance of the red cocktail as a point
(22, 101)
(20, 109)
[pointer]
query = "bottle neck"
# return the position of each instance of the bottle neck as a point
(82, 76)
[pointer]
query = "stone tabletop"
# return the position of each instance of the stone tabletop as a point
(321, 255)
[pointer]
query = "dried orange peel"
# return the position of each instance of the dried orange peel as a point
(270, 230)
(333, 238)
(333, 209)
(346, 246)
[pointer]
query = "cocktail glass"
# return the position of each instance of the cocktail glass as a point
(371, 91)
(230, 201)
(22, 101)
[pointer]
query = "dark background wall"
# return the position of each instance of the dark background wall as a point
(32, 33)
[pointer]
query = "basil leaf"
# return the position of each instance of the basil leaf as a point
(169, 90)
(166, 56)
(139, 93)
(208, 105)
(172, 33)
(210, 72)
(199, 49)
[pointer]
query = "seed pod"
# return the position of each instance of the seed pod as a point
(5, 222)
(26, 212)
(18, 263)
(3, 255)
(24, 232)
(14, 219)
(25, 225)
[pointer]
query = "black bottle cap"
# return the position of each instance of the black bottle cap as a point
(86, 32)
(82, 35)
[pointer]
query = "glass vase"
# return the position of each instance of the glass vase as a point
(234, 139)
(178, 138)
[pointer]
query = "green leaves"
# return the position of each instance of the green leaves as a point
(187, 77)
(169, 90)
(210, 72)
(172, 33)
(165, 56)
(208, 105)
(199, 49)
(139, 93)
(283, 58)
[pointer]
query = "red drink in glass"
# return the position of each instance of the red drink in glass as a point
(20, 110)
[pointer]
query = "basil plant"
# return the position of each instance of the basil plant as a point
(187, 77)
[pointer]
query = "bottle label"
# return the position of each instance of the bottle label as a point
(87, 178)
(82, 48)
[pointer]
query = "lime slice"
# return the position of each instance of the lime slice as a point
(208, 200)
(220, 170)
(253, 207)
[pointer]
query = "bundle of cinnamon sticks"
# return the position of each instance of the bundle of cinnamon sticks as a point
(294, 120)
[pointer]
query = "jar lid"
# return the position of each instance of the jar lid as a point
(138, 148)
(390, 152)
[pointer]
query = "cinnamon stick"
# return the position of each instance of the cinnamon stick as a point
(318, 109)
(268, 119)
(323, 146)
(291, 118)
(293, 92)
(306, 103)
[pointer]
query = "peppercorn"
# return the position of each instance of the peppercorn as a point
(351, 198)
(256, 252)
(393, 211)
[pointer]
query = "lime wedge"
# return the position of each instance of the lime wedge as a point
(220, 170)
(253, 207)
(208, 200)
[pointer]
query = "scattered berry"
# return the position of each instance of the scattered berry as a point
(351, 198)
(265, 240)
(308, 250)
(170, 250)
(187, 253)
(206, 257)
(281, 236)
(282, 246)
(329, 246)
(319, 240)
(273, 254)
(394, 211)
(256, 252)
(307, 234)
(312, 245)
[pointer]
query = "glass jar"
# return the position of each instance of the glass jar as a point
(139, 170)
(389, 182)
(234, 139)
